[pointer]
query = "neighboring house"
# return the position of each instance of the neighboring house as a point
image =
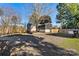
(45, 24)
(54, 30)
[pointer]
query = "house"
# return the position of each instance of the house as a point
(41, 25)
(45, 24)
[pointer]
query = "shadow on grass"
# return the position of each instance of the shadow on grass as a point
(23, 45)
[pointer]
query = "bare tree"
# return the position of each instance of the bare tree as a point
(15, 21)
(1, 12)
(5, 19)
(39, 10)
(9, 18)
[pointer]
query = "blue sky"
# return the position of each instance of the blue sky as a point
(25, 11)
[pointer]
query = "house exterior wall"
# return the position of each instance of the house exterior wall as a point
(33, 29)
(47, 30)
(54, 30)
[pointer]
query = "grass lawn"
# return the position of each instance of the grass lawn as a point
(71, 43)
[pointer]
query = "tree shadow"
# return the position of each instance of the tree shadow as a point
(23, 45)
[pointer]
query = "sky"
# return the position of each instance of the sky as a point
(25, 11)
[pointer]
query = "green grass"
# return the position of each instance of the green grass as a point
(70, 43)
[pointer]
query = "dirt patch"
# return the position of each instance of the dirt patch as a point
(31, 45)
